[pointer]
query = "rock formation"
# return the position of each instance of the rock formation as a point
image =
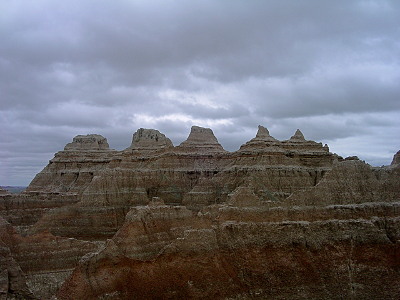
(201, 140)
(247, 249)
(88, 142)
(33, 267)
(149, 140)
(273, 220)
(298, 137)
(396, 159)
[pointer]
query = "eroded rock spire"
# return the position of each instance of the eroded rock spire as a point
(201, 139)
(88, 142)
(263, 134)
(298, 136)
(149, 139)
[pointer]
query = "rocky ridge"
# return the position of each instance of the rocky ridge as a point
(250, 249)
(258, 222)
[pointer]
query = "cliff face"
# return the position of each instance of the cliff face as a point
(249, 248)
(196, 173)
(73, 169)
(273, 220)
(33, 267)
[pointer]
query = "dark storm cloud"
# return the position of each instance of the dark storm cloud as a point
(330, 68)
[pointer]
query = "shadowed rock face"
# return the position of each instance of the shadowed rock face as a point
(273, 220)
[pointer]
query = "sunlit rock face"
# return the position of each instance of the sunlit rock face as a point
(273, 220)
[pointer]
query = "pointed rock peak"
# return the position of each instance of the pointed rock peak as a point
(88, 142)
(202, 138)
(262, 131)
(298, 136)
(149, 139)
(263, 134)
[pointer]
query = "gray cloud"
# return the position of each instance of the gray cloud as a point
(330, 68)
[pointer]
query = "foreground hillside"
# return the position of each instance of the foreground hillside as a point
(273, 220)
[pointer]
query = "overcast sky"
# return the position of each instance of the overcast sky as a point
(330, 68)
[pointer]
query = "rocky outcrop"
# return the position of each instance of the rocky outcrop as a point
(249, 248)
(273, 220)
(12, 279)
(33, 267)
(73, 169)
(201, 140)
(24, 210)
(88, 142)
(396, 159)
(263, 141)
(351, 182)
(196, 173)
(298, 137)
(149, 140)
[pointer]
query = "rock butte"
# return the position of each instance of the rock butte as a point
(273, 220)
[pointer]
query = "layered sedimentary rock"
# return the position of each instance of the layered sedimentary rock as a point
(12, 279)
(73, 169)
(33, 267)
(88, 142)
(201, 140)
(60, 183)
(248, 248)
(149, 140)
(273, 220)
(275, 168)
(196, 173)
(24, 210)
(352, 182)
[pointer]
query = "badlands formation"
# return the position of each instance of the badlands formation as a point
(273, 220)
